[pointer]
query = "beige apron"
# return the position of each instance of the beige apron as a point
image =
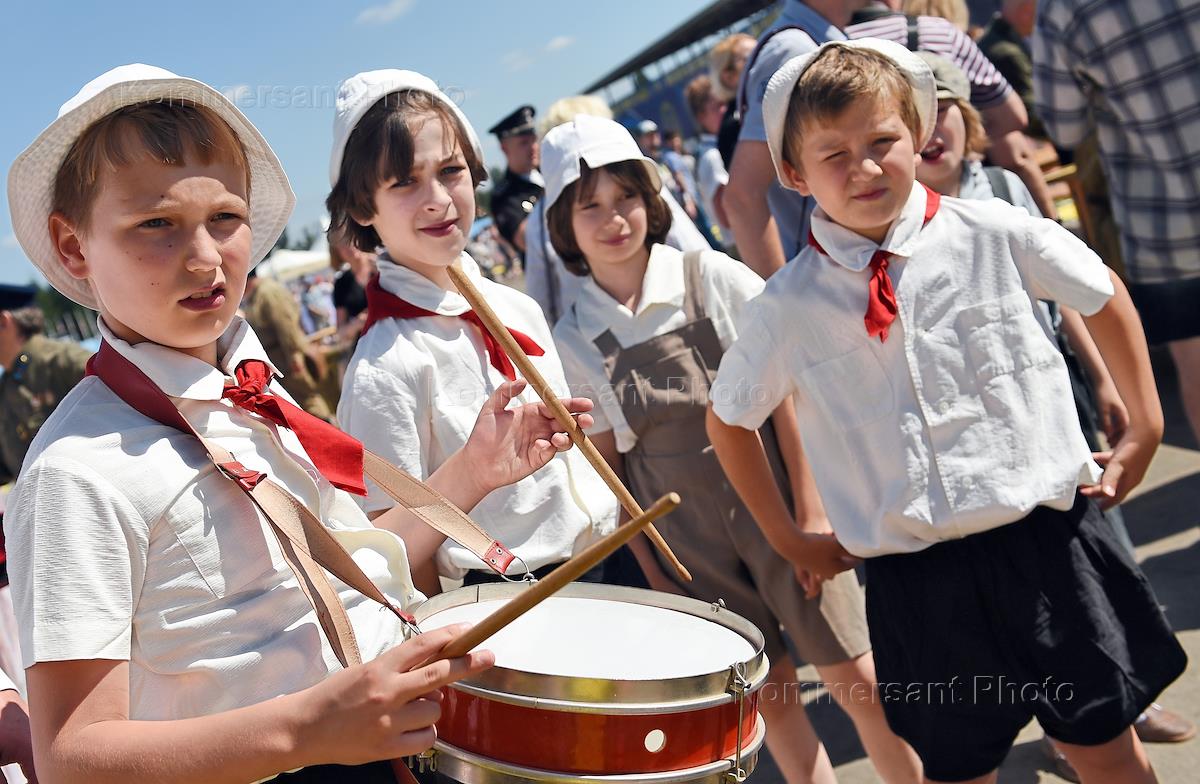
(662, 386)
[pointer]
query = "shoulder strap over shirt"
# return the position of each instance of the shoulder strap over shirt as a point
(999, 183)
(913, 42)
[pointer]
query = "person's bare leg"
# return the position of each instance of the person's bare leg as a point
(1186, 354)
(852, 684)
(791, 739)
(1122, 760)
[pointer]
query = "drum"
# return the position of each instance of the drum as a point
(602, 684)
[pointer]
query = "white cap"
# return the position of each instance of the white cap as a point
(593, 140)
(31, 178)
(779, 90)
(362, 91)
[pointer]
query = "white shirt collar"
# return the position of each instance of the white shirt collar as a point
(663, 284)
(853, 251)
(181, 375)
(414, 287)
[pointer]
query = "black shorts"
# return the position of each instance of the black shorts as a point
(372, 773)
(1170, 311)
(1047, 617)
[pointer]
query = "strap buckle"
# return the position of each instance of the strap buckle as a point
(738, 685)
(245, 477)
(525, 577)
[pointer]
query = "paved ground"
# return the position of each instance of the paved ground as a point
(1163, 518)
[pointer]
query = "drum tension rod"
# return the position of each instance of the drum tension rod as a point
(738, 684)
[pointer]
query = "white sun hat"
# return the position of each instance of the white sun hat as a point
(31, 178)
(362, 91)
(592, 140)
(779, 90)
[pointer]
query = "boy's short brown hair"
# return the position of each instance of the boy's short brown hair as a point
(838, 77)
(168, 131)
(628, 174)
(381, 147)
(699, 94)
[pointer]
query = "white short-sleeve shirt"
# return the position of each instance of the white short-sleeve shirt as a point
(728, 285)
(412, 393)
(126, 543)
(963, 420)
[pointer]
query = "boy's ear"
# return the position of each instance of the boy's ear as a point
(793, 179)
(68, 244)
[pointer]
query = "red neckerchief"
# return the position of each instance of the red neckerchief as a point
(881, 297)
(337, 456)
(384, 305)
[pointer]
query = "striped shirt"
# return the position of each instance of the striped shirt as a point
(1133, 69)
(939, 36)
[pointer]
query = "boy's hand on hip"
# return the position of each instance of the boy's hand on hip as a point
(385, 708)
(508, 444)
(1124, 466)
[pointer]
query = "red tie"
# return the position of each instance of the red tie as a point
(881, 297)
(337, 456)
(384, 305)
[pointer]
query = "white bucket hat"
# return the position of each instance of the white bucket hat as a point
(779, 90)
(362, 91)
(593, 140)
(31, 178)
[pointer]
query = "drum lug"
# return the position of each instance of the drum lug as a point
(718, 605)
(427, 761)
(738, 686)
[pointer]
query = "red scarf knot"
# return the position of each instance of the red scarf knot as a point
(383, 304)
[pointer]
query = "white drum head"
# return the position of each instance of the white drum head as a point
(599, 638)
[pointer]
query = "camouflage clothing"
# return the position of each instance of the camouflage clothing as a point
(30, 389)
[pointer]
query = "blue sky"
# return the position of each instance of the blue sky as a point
(282, 62)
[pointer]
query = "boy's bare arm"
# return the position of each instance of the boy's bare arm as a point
(751, 173)
(1114, 417)
(744, 460)
(1118, 333)
(380, 710)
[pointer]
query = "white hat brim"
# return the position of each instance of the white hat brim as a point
(779, 91)
(31, 178)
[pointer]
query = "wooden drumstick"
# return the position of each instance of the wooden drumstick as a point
(555, 581)
(564, 417)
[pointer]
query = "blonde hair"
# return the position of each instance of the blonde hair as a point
(955, 11)
(837, 78)
(977, 138)
(721, 57)
(566, 109)
(166, 131)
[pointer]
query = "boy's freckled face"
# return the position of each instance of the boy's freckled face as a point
(425, 220)
(167, 250)
(859, 166)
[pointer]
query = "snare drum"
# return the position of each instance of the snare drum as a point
(600, 683)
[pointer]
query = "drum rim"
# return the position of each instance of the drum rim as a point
(471, 768)
(578, 695)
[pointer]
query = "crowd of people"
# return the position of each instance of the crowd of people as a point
(902, 403)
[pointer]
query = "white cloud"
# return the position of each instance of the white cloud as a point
(385, 12)
(516, 60)
(559, 42)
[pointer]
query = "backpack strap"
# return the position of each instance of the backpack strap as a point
(999, 183)
(914, 36)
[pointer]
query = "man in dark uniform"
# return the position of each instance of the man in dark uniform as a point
(514, 196)
(38, 373)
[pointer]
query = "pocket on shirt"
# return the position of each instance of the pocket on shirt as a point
(1003, 337)
(851, 390)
